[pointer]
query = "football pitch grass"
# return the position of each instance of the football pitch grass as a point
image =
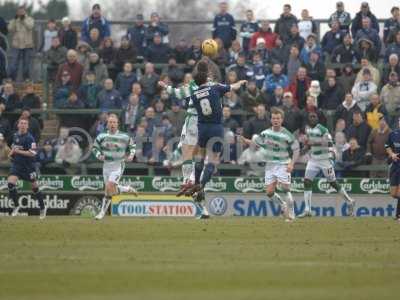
(229, 258)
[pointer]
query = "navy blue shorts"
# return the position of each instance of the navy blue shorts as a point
(211, 135)
(394, 175)
(26, 172)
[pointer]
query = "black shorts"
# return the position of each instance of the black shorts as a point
(394, 175)
(26, 172)
(211, 135)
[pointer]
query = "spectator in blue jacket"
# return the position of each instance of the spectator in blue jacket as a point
(125, 80)
(356, 24)
(46, 155)
(109, 98)
(224, 26)
(310, 46)
(276, 78)
(137, 34)
(247, 29)
(367, 32)
(156, 27)
(63, 91)
(332, 38)
(257, 71)
(95, 20)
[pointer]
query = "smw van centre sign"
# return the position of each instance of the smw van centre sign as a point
(226, 196)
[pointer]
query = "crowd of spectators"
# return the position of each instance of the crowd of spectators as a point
(349, 76)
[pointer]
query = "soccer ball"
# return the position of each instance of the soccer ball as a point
(209, 47)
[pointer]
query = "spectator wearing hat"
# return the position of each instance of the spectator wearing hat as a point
(364, 12)
(96, 66)
(73, 68)
(54, 57)
(366, 49)
(125, 53)
(341, 16)
(68, 36)
(306, 25)
(224, 26)
(95, 20)
(374, 111)
(156, 27)
(83, 49)
(359, 129)
(366, 32)
(346, 110)
(262, 51)
(265, 32)
(157, 52)
(332, 38)
(247, 30)
(391, 25)
(364, 89)
(137, 35)
(376, 151)
(125, 80)
(392, 66)
(390, 96)
(292, 120)
(310, 46)
(45, 156)
(374, 72)
(109, 97)
(276, 78)
(345, 53)
(21, 30)
(315, 66)
(285, 22)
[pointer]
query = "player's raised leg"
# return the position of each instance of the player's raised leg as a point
(13, 193)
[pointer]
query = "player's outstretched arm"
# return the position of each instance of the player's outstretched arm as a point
(237, 85)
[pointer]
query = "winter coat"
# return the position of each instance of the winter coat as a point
(22, 32)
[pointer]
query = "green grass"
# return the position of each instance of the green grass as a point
(234, 258)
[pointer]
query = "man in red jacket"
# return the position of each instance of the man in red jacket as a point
(73, 67)
(266, 33)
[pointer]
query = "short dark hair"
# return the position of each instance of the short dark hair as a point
(287, 6)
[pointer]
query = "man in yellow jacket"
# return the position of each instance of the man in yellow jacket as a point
(21, 30)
